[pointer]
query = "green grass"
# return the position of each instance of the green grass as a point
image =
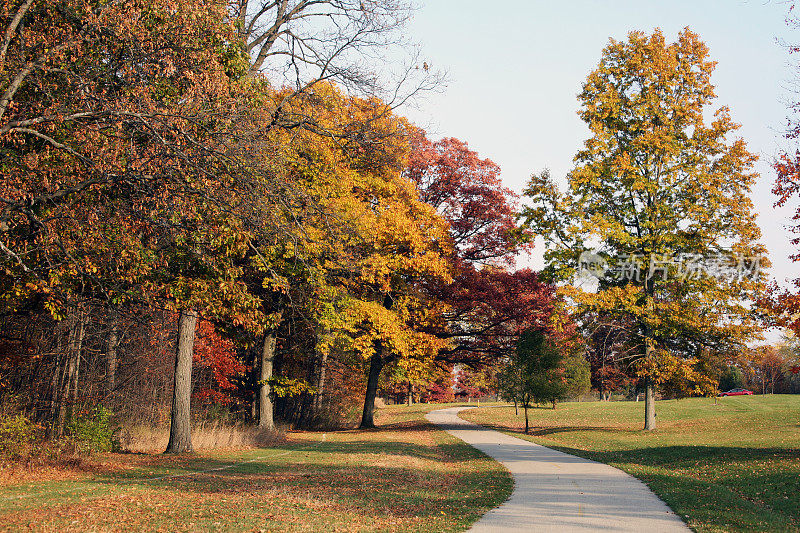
(730, 466)
(404, 476)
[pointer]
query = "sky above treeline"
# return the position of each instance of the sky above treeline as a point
(515, 69)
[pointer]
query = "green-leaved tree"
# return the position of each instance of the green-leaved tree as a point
(541, 371)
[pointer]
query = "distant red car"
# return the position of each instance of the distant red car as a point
(736, 392)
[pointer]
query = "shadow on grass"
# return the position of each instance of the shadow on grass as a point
(718, 506)
(688, 456)
(551, 430)
(366, 486)
(177, 467)
(386, 469)
(540, 432)
(347, 473)
(733, 488)
(410, 425)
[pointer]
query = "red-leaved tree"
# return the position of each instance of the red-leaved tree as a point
(785, 303)
(487, 305)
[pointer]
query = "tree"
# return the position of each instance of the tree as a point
(476, 383)
(441, 384)
(789, 349)
(370, 242)
(468, 192)
(79, 132)
(576, 376)
(358, 45)
(767, 364)
(543, 371)
(731, 378)
(664, 197)
(301, 42)
(785, 304)
(113, 181)
(486, 306)
(609, 353)
(302, 48)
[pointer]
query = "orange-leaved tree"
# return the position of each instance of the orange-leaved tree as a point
(107, 121)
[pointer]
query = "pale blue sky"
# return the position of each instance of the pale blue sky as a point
(515, 68)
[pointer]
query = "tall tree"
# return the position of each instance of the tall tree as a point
(486, 306)
(664, 195)
(784, 303)
(366, 238)
(107, 172)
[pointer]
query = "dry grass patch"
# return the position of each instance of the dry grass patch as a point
(205, 436)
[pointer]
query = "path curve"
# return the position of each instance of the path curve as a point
(555, 491)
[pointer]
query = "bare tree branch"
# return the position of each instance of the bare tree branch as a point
(11, 29)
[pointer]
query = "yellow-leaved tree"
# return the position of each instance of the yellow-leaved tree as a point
(350, 240)
(662, 193)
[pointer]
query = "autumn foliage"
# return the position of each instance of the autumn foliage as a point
(785, 304)
(205, 215)
(658, 180)
(191, 228)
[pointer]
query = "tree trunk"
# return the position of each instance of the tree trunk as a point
(375, 366)
(603, 381)
(649, 348)
(525, 407)
(649, 405)
(68, 393)
(254, 356)
(57, 383)
(75, 364)
(180, 437)
(266, 418)
(112, 344)
(409, 395)
(322, 363)
(57, 396)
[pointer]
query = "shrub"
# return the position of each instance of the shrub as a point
(16, 435)
(91, 430)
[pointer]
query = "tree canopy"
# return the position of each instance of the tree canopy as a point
(225, 181)
(663, 197)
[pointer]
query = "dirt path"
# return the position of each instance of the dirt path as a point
(555, 491)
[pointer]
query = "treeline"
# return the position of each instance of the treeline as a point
(209, 203)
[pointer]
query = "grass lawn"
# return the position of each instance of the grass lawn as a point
(404, 476)
(730, 466)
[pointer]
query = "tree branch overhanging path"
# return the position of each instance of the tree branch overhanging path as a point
(555, 491)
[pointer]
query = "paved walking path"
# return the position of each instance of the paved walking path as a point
(555, 491)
